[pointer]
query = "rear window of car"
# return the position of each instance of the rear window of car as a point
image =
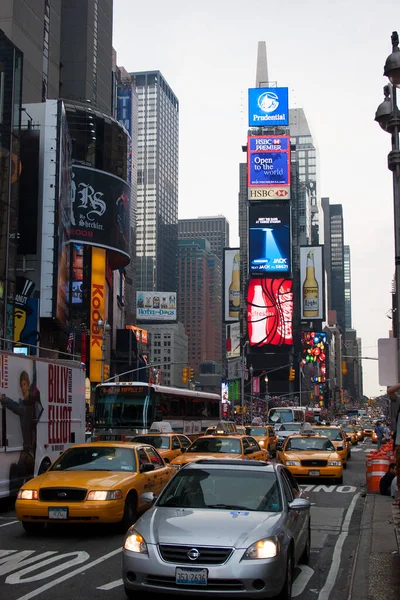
(161, 442)
(332, 434)
(224, 489)
(222, 445)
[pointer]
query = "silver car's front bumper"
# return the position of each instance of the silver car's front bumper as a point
(237, 577)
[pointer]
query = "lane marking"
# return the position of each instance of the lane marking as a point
(63, 578)
(77, 558)
(111, 586)
(337, 553)
(301, 581)
(11, 523)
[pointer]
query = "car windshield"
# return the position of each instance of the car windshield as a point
(96, 458)
(256, 431)
(161, 442)
(228, 445)
(309, 443)
(332, 434)
(348, 429)
(290, 427)
(230, 489)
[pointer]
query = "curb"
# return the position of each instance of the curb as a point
(360, 583)
(396, 524)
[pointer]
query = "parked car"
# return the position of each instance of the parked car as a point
(220, 527)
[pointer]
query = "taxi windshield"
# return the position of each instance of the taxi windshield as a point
(97, 458)
(332, 434)
(161, 442)
(309, 443)
(256, 431)
(222, 445)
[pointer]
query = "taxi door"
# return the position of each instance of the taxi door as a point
(175, 449)
(161, 474)
(257, 453)
(145, 481)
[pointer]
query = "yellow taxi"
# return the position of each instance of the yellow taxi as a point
(168, 445)
(369, 429)
(360, 432)
(222, 446)
(265, 436)
(338, 439)
(99, 482)
(351, 434)
(374, 437)
(309, 455)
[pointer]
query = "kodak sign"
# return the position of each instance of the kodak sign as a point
(97, 311)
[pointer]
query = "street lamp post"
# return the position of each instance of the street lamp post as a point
(251, 371)
(106, 328)
(242, 402)
(388, 117)
(266, 393)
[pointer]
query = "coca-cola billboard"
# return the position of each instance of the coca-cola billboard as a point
(270, 312)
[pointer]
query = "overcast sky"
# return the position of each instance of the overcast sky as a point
(331, 56)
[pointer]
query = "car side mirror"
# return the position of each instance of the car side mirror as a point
(340, 448)
(184, 449)
(299, 504)
(146, 468)
(248, 451)
(148, 498)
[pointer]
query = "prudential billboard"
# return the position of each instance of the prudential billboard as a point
(268, 107)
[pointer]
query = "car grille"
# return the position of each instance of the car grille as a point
(228, 585)
(209, 555)
(62, 494)
(314, 463)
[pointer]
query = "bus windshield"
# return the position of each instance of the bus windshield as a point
(285, 415)
(123, 407)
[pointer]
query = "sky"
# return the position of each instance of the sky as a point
(331, 56)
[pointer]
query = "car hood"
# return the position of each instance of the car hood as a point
(194, 456)
(96, 480)
(307, 455)
(215, 527)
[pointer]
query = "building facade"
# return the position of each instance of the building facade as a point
(334, 259)
(157, 179)
(169, 352)
(213, 229)
(199, 306)
(347, 287)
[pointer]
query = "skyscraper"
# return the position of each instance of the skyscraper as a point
(334, 259)
(347, 287)
(157, 179)
(213, 229)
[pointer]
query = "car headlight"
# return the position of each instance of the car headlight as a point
(28, 495)
(105, 495)
(134, 542)
(293, 463)
(334, 463)
(266, 548)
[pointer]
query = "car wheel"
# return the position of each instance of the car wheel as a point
(33, 528)
(349, 455)
(339, 481)
(130, 511)
(305, 557)
(286, 593)
(345, 465)
(130, 593)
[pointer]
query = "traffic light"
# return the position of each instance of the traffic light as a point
(185, 374)
(292, 374)
(106, 371)
(191, 373)
(344, 367)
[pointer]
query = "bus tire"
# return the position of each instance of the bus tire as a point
(44, 465)
(33, 528)
(130, 511)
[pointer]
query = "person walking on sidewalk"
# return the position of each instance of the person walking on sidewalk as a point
(395, 426)
(379, 430)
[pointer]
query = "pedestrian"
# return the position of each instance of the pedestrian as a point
(386, 433)
(379, 430)
(385, 483)
(395, 427)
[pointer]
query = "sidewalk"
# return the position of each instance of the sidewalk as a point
(377, 561)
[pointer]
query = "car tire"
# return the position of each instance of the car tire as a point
(339, 481)
(33, 528)
(349, 455)
(131, 594)
(345, 465)
(286, 593)
(305, 557)
(130, 511)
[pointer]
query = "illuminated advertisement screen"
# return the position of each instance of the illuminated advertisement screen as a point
(268, 107)
(270, 312)
(313, 356)
(268, 161)
(269, 239)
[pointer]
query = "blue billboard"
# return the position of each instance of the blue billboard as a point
(269, 239)
(268, 161)
(268, 107)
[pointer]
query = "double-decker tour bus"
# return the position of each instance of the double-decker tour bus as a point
(125, 409)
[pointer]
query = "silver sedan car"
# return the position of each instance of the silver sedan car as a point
(220, 528)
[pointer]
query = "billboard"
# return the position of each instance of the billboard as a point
(233, 340)
(312, 292)
(97, 312)
(313, 356)
(100, 212)
(269, 239)
(231, 284)
(268, 107)
(77, 274)
(156, 306)
(268, 167)
(270, 312)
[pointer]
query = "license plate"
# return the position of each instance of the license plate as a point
(58, 513)
(313, 473)
(191, 576)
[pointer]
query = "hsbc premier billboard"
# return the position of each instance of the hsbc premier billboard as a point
(268, 167)
(270, 312)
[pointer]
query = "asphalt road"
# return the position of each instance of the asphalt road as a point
(77, 563)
